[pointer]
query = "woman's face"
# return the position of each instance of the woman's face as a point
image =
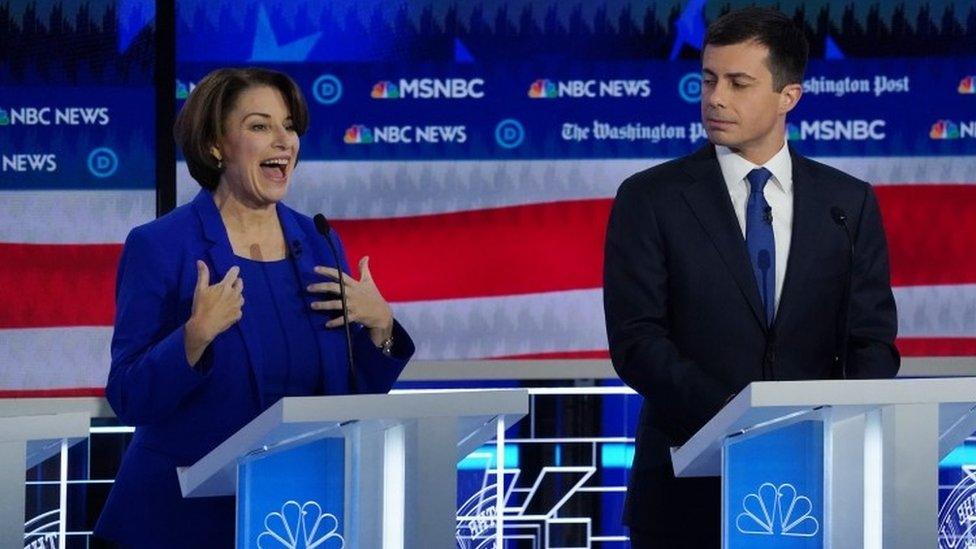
(259, 148)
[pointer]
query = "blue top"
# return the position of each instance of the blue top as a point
(272, 292)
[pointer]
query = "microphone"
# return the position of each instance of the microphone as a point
(296, 248)
(322, 226)
(768, 214)
(840, 218)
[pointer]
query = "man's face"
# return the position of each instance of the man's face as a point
(739, 107)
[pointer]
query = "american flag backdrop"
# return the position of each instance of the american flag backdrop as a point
(481, 260)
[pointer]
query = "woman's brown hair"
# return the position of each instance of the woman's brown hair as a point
(200, 124)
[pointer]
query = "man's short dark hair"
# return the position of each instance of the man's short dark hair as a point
(200, 124)
(788, 48)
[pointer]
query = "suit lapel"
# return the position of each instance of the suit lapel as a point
(807, 202)
(304, 255)
(222, 258)
(709, 199)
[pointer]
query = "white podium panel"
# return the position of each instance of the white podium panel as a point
(25, 441)
(394, 455)
(880, 443)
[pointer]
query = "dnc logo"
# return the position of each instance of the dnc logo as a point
(358, 134)
(543, 89)
(300, 527)
(967, 85)
(777, 511)
(384, 89)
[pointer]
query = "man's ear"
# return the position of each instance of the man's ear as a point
(789, 96)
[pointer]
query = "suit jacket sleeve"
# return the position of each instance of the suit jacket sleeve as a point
(873, 322)
(635, 292)
(150, 373)
(375, 372)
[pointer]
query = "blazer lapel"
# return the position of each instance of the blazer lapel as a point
(803, 241)
(304, 254)
(222, 258)
(709, 199)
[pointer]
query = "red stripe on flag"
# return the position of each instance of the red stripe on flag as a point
(51, 285)
(558, 355)
(908, 347)
(937, 346)
(514, 250)
(493, 252)
(931, 233)
(53, 393)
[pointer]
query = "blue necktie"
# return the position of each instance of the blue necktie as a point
(760, 241)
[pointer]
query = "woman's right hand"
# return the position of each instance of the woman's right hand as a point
(215, 308)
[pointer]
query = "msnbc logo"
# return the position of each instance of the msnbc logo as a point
(384, 89)
(357, 134)
(793, 132)
(967, 85)
(944, 129)
(543, 89)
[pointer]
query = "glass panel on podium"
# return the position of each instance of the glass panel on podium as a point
(293, 497)
(773, 486)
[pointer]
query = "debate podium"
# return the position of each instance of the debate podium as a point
(353, 471)
(25, 441)
(833, 463)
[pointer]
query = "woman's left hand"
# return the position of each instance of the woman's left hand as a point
(364, 303)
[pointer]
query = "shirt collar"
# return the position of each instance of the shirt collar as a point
(735, 168)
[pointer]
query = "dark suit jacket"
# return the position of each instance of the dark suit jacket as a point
(684, 316)
(181, 413)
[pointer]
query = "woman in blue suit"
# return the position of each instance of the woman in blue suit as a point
(193, 360)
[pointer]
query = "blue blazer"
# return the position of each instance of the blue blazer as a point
(685, 321)
(181, 412)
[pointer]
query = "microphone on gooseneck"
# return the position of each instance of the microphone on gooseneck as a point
(840, 218)
(322, 226)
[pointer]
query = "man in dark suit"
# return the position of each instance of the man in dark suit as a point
(727, 266)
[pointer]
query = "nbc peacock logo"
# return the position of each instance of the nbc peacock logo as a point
(384, 89)
(777, 511)
(967, 85)
(543, 89)
(357, 134)
(300, 527)
(4, 117)
(944, 129)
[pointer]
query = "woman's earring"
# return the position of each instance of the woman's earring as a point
(220, 164)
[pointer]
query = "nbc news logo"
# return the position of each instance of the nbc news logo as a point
(544, 88)
(358, 134)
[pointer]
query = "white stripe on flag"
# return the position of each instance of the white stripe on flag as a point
(476, 328)
(367, 190)
(936, 311)
(503, 326)
(73, 217)
(52, 358)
